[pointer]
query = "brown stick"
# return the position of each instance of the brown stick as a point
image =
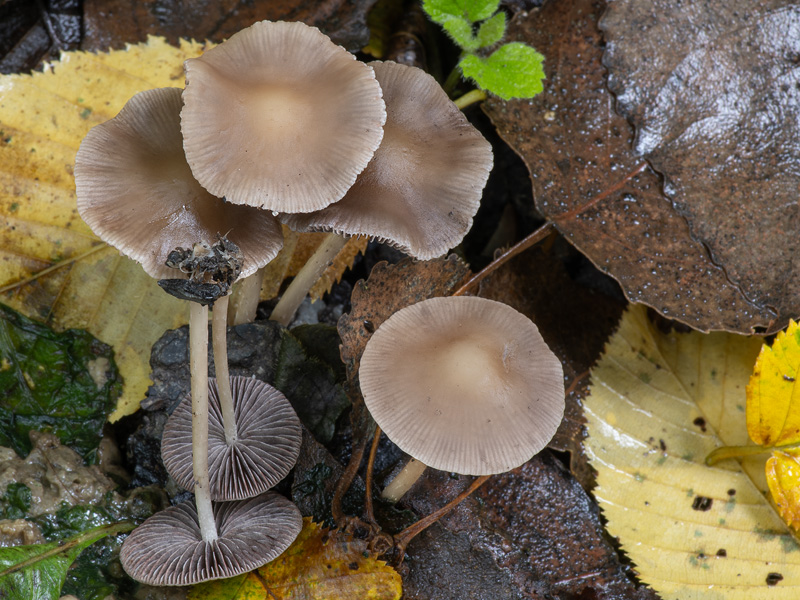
(402, 539)
(369, 514)
(345, 481)
(531, 240)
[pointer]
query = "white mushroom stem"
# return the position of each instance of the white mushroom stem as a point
(245, 298)
(403, 480)
(198, 359)
(219, 340)
(307, 277)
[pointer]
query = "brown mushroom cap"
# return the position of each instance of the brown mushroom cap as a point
(463, 384)
(136, 191)
(265, 450)
(280, 117)
(425, 182)
(167, 549)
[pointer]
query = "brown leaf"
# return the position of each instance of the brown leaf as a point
(716, 106)
(388, 289)
(111, 23)
(605, 200)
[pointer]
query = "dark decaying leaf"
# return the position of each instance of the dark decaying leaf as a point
(111, 23)
(606, 200)
(65, 382)
(714, 93)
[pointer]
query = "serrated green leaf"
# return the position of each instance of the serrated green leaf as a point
(460, 30)
(473, 10)
(38, 572)
(492, 31)
(512, 71)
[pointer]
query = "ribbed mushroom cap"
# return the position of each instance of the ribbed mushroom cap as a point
(265, 450)
(463, 384)
(280, 117)
(425, 182)
(167, 549)
(137, 193)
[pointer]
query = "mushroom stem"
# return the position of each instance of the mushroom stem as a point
(469, 98)
(403, 481)
(198, 353)
(242, 307)
(307, 277)
(219, 340)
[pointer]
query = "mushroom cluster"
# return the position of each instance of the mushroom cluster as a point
(277, 124)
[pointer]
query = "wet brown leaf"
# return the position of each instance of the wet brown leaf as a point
(604, 199)
(716, 106)
(111, 23)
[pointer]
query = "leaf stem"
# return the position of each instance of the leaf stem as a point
(469, 98)
(452, 80)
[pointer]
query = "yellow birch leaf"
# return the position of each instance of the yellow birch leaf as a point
(659, 403)
(52, 267)
(783, 477)
(319, 565)
(773, 395)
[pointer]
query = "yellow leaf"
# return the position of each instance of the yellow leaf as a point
(783, 477)
(319, 565)
(52, 267)
(659, 403)
(773, 395)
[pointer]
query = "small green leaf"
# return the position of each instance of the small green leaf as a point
(512, 71)
(16, 502)
(38, 572)
(492, 31)
(460, 30)
(64, 382)
(473, 10)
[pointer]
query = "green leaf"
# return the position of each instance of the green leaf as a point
(16, 502)
(512, 71)
(492, 31)
(38, 572)
(460, 30)
(473, 10)
(65, 382)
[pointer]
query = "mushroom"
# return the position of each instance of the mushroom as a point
(266, 448)
(279, 117)
(421, 190)
(462, 384)
(136, 191)
(170, 549)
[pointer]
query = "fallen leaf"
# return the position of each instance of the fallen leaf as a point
(106, 22)
(320, 565)
(659, 403)
(773, 418)
(52, 267)
(600, 195)
(38, 572)
(64, 383)
(715, 99)
(773, 394)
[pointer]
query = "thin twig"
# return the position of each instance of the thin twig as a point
(346, 480)
(369, 514)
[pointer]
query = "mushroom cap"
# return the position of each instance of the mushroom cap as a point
(424, 185)
(137, 193)
(463, 384)
(167, 549)
(280, 117)
(266, 448)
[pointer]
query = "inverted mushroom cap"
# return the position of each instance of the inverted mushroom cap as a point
(136, 191)
(167, 549)
(463, 384)
(280, 117)
(425, 182)
(266, 447)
